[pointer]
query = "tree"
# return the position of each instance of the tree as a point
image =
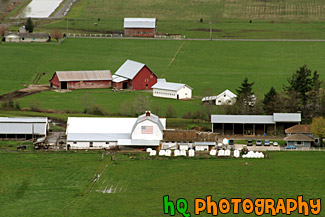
(171, 111)
(29, 25)
(245, 97)
(56, 34)
(3, 29)
(314, 108)
(269, 101)
(318, 128)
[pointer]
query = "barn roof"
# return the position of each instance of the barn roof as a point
(228, 93)
(256, 119)
(140, 23)
(153, 118)
(98, 75)
(299, 128)
(129, 69)
(22, 125)
(164, 85)
(34, 35)
(298, 137)
(118, 79)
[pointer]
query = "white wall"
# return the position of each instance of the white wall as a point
(165, 93)
(183, 93)
(156, 135)
(225, 100)
(95, 145)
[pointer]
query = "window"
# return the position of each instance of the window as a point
(224, 95)
(219, 101)
(107, 143)
(74, 142)
(316, 141)
(91, 144)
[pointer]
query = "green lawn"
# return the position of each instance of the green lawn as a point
(204, 65)
(270, 19)
(61, 184)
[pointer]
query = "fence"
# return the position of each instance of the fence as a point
(98, 35)
(305, 149)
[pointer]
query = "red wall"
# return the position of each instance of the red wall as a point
(89, 84)
(137, 32)
(55, 81)
(145, 76)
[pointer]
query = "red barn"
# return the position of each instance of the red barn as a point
(140, 27)
(135, 76)
(81, 79)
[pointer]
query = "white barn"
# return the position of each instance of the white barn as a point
(171, 90)
(100, 133)
(23, 127)
(225, 98)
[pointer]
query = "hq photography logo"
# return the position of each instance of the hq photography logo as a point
(258, 206)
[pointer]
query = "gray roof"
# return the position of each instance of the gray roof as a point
(256, 119)
(153, 118)
(298, 137)
(23, 120)
(138, 142)
(163, 85)
(129, 69)
(242, 119)
(204, 143)
(96, 75)
(287, 117)
(34, 35)
(96, 137)
(140, 23)
(118, 79)
(23, 128)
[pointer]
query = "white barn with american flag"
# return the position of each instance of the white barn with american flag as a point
(104, 133)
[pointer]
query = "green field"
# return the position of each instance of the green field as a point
(207, 66)
(62, 184)
(271, 19)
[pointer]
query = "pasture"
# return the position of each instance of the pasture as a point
(207, 66)
(62, 184)
(270, 19)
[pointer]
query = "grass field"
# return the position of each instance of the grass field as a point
(204, 65)
(271, 19)
(62, 184)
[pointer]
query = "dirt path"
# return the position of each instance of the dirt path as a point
(31, 89)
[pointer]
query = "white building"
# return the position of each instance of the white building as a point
(171, 90)
(23, 127)
(99, 133)
(225, 98)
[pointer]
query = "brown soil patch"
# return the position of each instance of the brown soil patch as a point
(31, 89)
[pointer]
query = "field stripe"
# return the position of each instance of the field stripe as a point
(173, 59)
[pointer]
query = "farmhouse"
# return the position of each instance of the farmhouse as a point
(81, 79)
(225, 98)
(171, 90)
(254, 124)
(134, 75)
(27, 37)
(301, 136)
(23, 127)
(140, 27)
(99, 133)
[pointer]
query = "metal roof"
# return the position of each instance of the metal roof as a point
(23, 128)
(164, 85)
(96, 75)
(118, 79)
(140, 23)
(34, 35)
(129, 69)
(153, 118)
(287, 117)
(138, 142)
(227, 92)
(242, 119)
(204, 143)
(97, 137)
(23, 120)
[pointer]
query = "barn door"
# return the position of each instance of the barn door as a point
(64, 85)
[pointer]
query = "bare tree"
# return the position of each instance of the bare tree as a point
(3, 29)
(57, 35)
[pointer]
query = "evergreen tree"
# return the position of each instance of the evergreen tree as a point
(245, 97)
(269, 101)
(29, 25)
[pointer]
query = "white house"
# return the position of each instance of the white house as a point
(225, 98)
(171, 90)
(99, 133)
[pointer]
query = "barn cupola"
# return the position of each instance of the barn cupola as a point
(148, 113)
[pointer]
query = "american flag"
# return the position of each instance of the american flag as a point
(147, 129)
